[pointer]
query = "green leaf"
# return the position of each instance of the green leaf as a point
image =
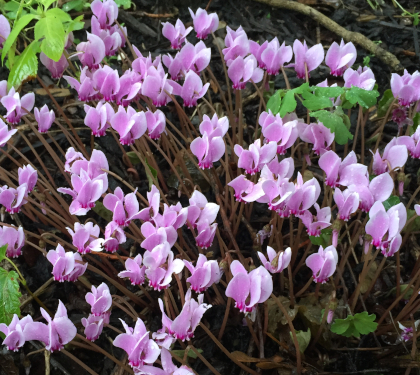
(274, 102)
(58, 13)
(153, 172)
(414, 226)
(9, 295)
(11, 6)
(335, 123)
(50, 30)
(25, 67)
(126, 4)
(3, 252)
(191, 353)
(303, 338)
(313, 102)
(354, 325)
(391, 201)
(76, 5)
(328, 92)
(384, 103)
(416, 122)
(76, 24)
(366, 61)
(17, 28)
(365, 98)
(46, 3)
(323, 239)
(288, 103)
(102, 211)
(133, 157)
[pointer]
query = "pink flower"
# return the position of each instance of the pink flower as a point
(156, 123)
(14, 239)
(311, 57)
(273, 56)
(304, 196)
(107, 81)
(192, 90)
(417, 209)
(201, 210)
(208, 150)
(394, 157)
(112, 38)
(153, 197)
(92, 52)
(241, 186)
(276, 262)
(114, 235)
(317, 134)
(67, 266)
(130, 87)
(27, 174)
(98, 119)
(405, 88)
(129, 124)
(174, 65)
(84, 88)
(205, 234)
(284, 134)
(243, 70)
(237, 44)
(249, 289)
(59, 331)
(56, 68)
(86, 237)
(204, 24)
(44, 118)
(134, 270)
(13, 199)
(204, 274)
(323, 263)
(155, 236)
(157, 87)
(17, 107)
(15, 331)
(214, 126)
(124, 208)
(256, 157)
(195, 58)
(189, 318)
(175, 34)
(314, 225)
(136, 343)
(340, 57)
(93, 326)
(347, 203)
(173, 216)
(100, 300)
(407, 332)
(362, 78)
(4, 29)
(5, 133)
(106, 11)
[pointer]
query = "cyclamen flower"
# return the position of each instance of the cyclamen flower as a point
(155, 236)
(92, 52)
(284, 134)
(67, 266)
(173, 216)
(129, 124)
(241, 186)
(205, 234)
(194, 57)
(340, 57)
(134, 270)
(114, 235)
(405, 88)
(174, 65)
(347, 203)
(59, 331)
(204, 274)
(93, 327)
(84, 88)
(249, 289)
(417, 209)
(13, 199)
(256, 157)
(314, 225)
(362, 78)
(112, 38)
(14, 239)
(106, 11)
(237, 44)
(276, 262)
(5, 133)
(27, 174)
(153, 197)
(44, 118)
(400, 116)
(56, 68)
(85, 237)
(15, 333)
(175, 34)
(107, 81)
(200, 210)
(124, 208)
(192, 90)
(208, 150)
(156, 123)
(214, 126)
(306, 59)
(317, 134)
(271, 55)
(243, 70)
(157, 87)
(17, 107)
(100, 300)
(204, 24)
(136, 343)
(407, 332)
(394, 156)
(323, 263)
(184, 325)
(304, 196)
(5, 29)
(98, 119)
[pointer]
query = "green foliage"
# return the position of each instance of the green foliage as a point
(366, 61)
(126, 4)
(133, 157)
(355, 325)
(391, 201)
(303, 338)
(328, 92)
(416, 122)
(76, 5)
(414, 226)
(151, 172)
(356, 95)
(102, 211)
(313, 102)
(9, 295)
(50, 31)
(335, 123)
(191, 353)
(283, 101)
(274, 102)
(3, 252)
(384, 103)
(323, 239)
(11, 8)
(25, 67)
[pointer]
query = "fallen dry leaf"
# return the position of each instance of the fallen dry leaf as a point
(57, 92)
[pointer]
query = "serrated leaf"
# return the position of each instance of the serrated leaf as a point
(384, 103)
(365, 323)
(335, 123)
(50, 30)
(17, 28)
(274, 103)
(313, 102)
(354, 325)
(3, 252)
(329, 92)
(303, 338)
(25, 67)
(365, 98)
(391, 201)
(9, 295)
(340, 326)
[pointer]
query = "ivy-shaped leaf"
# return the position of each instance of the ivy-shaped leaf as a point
(303, 338)
(25, 67)
(335, 123)
(50, 32)
(288, 104)
(323, 239)
(365, 98)
(355, 325)
(313, 102)
(328, 92)
(9, 295)
(274, 102)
